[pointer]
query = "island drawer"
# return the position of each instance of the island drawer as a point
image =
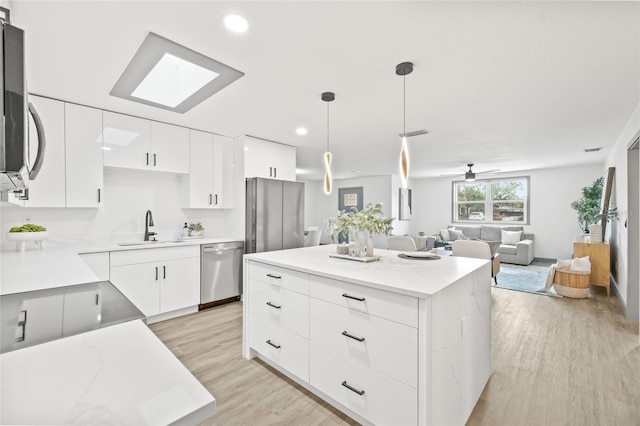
(374, 396)
(385, 346)
(384, 304)
(285, 278)
(282, 347)
(280, 306)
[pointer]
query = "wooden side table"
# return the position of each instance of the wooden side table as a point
(599, 256)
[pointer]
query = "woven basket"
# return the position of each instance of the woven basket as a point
(572, 283)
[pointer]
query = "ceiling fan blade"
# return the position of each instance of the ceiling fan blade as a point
(487, 172)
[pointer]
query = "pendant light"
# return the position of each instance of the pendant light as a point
(470, 176)
(403, 69)
(327, 97)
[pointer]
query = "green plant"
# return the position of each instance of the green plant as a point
(29, 227)
(196, 227)
(588, 206)
(369, 219)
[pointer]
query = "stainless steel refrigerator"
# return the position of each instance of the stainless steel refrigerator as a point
(275, 215)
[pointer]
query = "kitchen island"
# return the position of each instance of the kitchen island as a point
(395, 341)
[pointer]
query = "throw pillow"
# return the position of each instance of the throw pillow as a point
(444, 233)
(580, 264)
(511, 238)
(455, 235)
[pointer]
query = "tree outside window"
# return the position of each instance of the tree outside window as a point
(493, 200)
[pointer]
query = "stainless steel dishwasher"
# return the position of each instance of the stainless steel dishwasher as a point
(221, 273)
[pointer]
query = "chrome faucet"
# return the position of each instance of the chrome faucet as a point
(148, 221)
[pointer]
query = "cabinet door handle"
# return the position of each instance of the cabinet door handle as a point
(97, 299)
(99, 195)
(210, 199)
(22, 324)
(154, 159)
(156, 273)
(147, 158)
(351, 388)
(351, 336)
(270, 171)
(275, 172)
(277, 277)
(269, 342)
(359, 299)
(274, 306)
(164, 271)
(216, 199)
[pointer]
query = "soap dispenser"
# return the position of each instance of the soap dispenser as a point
(185, 231)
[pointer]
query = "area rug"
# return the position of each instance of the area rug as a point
(528, 279)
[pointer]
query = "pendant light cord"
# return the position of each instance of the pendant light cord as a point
(404, 104)
(328, 127)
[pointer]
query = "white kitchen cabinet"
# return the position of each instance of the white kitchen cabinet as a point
(48, 189)
(269, 159)
(169, 148)
(210, 180)
(136, 143)
(127, 141)
(158, 280)
(83, 141)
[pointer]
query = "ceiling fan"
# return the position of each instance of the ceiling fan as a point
(470, 175)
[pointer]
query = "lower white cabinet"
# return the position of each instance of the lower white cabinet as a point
(158, 280)
(372, 395)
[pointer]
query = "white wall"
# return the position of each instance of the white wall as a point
(617, 233)
(128, 194)
(376, 189)
(552, 220)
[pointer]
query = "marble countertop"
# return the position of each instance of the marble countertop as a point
(413, 277)
(36, 269)
(121, 374)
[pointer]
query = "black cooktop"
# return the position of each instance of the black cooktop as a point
(40, 316)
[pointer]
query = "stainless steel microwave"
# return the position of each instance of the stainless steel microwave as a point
(20, 162)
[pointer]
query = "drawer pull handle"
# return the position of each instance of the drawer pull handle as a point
(351, 388)
(359, 299)
(274, 306)
(273, 344)
(351, 336)
(277, 277)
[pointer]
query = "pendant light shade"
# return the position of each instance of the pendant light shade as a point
(470, 176)
(403, 69)
(328, 182)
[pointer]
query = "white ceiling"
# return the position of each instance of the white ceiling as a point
(504, 85)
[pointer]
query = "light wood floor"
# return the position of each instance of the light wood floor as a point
(555, 362)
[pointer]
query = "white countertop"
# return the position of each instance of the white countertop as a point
(121, 374)
(36, 269)
(413, 277)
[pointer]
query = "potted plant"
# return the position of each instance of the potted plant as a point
(355, 223)
(588, 206)
(195, 229)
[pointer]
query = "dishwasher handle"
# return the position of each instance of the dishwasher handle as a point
(215, 250)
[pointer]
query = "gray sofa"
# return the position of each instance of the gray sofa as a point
(521, 253)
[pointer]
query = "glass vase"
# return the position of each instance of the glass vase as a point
(357, 243)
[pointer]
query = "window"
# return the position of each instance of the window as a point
(491, 200)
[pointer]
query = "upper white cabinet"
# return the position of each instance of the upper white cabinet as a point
(269, 159)
(71, 174)
(210, 180)
(83, 136)
(136, 143)
(127, 141)
(170, 147)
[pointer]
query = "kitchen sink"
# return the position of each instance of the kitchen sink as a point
(145, 243)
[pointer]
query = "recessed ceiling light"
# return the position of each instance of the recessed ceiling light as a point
(167, 75)
(236, 23)
(301, 131)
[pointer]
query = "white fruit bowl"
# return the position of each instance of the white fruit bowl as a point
(21, 239)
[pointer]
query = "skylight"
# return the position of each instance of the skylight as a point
(172, 81)
(167, 75)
